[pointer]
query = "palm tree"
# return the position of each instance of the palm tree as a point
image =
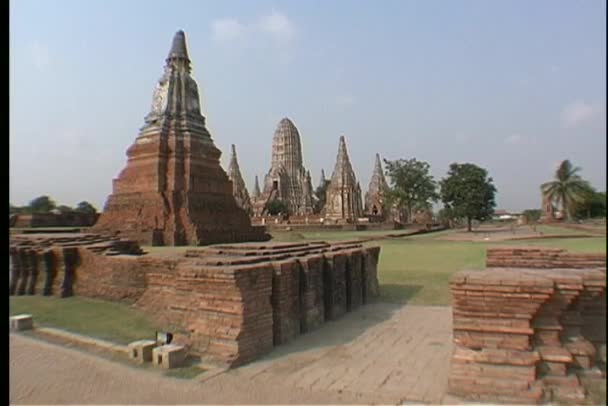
(567, 189)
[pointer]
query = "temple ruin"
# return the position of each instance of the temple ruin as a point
(173, 190)
(256, 190)
(375, 197)
(228, 304)
(529, 327)
(239, 190)
(287, 180)
(343, 201)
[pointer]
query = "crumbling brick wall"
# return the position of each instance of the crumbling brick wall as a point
(526, 335)
(228, 304)
(541, 257)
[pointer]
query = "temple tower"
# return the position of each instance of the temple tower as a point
(375, 196)
(287, 179)
(239, 190)
(322, 179)
(343, 201)
(256, 190)
(173, 190)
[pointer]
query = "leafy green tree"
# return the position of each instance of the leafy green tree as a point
(532, 215)
(468, 192)
(277, 206)
(86, 207)
(320, 195)
(568, 188)
(42, 204)
(593, 205)
(64, 209)
(411, 186)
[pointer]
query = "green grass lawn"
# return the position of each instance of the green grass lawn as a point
(114, 322)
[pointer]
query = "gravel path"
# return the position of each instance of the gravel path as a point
(377, 354)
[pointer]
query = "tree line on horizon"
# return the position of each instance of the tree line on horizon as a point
(45, 204)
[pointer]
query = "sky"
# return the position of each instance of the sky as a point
(512, 86)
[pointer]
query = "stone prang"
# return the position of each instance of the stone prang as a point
(239, 190)
(375, 196)
(287, 180)
(173, 190)
(343, 201)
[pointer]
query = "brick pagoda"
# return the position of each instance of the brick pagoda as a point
(173, 190)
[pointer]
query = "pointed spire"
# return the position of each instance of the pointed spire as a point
(343, 189)
(178, 48)
(256, 189)
(239, 190)
(343, 171)
(374, 198)
(322, 179)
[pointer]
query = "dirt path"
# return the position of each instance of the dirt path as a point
(378, 354)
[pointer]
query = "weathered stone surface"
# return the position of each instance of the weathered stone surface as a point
(287, 180)
(228, 304)
(141, 351)
(239, 190)
(22, 322)
(169, 356)
(536, 316)
(343, 196)
(375, 196)
(173, 190)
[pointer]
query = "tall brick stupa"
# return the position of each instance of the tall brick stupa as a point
(173, 190)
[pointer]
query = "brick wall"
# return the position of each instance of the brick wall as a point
(527, 257)
(526, 335)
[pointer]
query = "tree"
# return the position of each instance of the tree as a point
(592, 205)
(468, 192)
(320, 195)
(532, 215)
(64, 209)
(568, 188)
(42, 204)
(86, 207)
(411, 185)
(277, 206)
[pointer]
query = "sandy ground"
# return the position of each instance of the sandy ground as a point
(380, 353)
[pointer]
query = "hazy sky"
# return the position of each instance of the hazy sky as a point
(512, 86)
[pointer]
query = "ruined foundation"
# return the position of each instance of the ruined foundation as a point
(527, 333)
(228, 304)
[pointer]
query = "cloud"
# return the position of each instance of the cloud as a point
(40, 56)
(579, 112)
(278, 25)
(226, 29)
(275, 25)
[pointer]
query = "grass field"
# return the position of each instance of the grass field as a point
(115, 322)
(414, 270)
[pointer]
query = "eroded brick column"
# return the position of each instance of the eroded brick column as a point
(50, 268)
(354, 264)
(15, 270)
(370, 271)
(70, 258)
(25, 271)
(285, 301)
(335, 270)
(311, 292)
(33, 260)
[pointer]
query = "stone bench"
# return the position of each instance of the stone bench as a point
(141, 351)
(21, 322)
(169, 356)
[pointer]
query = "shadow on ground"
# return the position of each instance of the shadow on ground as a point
(336, 332)
(398, 293)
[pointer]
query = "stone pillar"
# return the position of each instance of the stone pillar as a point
(335, 293)
(15, 270)
(33, 260)
(70, 257)
(25, 270)
(354, 279)
(370, 272)
(50, 267)
(311, 293)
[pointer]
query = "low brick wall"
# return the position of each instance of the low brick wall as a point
(527, 257)
(526, 335)
(227, 303)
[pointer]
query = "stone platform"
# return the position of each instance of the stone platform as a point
(526, 335)
(227, 303)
